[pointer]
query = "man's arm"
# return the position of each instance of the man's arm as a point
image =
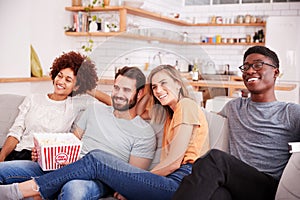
(8, 146)
(78, 132)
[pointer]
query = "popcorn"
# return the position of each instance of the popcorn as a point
(56, 148)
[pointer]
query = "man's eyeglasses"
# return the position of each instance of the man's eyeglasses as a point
(256, 66)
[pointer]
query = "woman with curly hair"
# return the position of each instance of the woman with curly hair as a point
(72, 74)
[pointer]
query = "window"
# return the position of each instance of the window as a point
(286, 0)
(217, 2)
(255, 1)
(225, 2)
(197, 2)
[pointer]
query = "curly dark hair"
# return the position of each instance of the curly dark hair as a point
(84, 70)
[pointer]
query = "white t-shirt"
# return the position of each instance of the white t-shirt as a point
(39, 113)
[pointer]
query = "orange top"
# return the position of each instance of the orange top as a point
(187, 112)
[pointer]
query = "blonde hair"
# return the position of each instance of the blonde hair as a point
(158, 112)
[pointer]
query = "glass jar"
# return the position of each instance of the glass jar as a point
(253, 19)
(76, 3)
(240, 19)
(213, 20)
(247, 19)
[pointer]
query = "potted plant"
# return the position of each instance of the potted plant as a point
(89, 46)
(112, 27)
(95, 24)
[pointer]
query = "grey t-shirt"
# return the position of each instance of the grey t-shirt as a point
(260, 132)
(118, 137)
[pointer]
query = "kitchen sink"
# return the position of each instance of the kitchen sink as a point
(216, 77)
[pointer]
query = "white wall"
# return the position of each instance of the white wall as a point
(41, 23)
(37, 22)
(14, 40)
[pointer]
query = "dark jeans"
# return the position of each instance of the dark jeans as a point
(219, 176)
(18, 155)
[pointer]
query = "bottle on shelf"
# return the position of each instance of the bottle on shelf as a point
(177, 66)
(195, 76)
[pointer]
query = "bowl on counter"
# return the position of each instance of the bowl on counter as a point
(133, 3)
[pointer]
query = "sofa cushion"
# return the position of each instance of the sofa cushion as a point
(218, 130)
(9, 104)
(288, 187)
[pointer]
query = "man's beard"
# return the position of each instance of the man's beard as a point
(129, 104)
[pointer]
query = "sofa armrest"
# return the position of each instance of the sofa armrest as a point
(288, 187)
(9, 104)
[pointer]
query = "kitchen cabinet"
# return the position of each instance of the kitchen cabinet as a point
(123, 12)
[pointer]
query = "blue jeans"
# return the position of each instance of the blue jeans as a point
(21, 170)
(18, 171)
(131, 182)
(83, 189)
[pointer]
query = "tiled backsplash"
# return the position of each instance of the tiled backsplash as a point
(220, 54)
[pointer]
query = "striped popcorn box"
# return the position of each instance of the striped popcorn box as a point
(56, 148)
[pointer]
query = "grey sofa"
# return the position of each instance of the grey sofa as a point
(289, 186)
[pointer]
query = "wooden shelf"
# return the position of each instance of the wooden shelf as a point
(154, 16)
(150, 39)
(235, 24)
(107, 34)
(125, 10)
(94, 9)
(133, 11)
(237, 43)
(29, 79)
(132, 36)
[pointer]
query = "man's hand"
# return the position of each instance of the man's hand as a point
(118, 196)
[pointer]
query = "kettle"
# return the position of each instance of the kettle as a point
(209, 68)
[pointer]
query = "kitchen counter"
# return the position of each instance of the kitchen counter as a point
(234, 82)
(236, 85)
(216, 84)
(29, 79)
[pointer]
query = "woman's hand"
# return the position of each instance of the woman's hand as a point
(34, 154)
(64, 163)
(118, 196)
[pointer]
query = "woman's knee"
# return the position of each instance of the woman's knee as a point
(80, 189)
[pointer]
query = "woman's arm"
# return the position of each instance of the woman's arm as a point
(142, 106)
(177, 149)
(100, 96)
(8, 146)
(139, 162)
